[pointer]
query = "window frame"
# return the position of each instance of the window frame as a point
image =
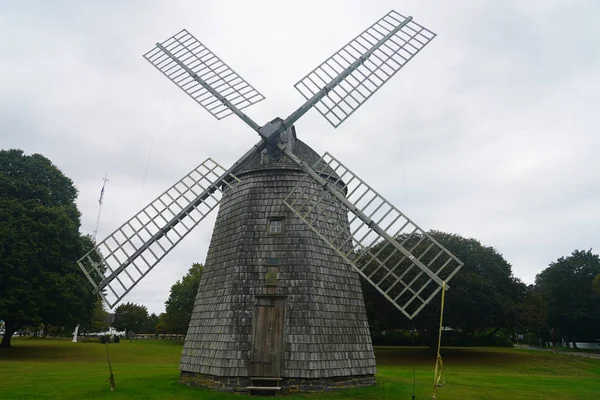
(270, 221)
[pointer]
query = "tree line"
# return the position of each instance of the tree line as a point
(134, 318)
(42, 287)
(485, 301)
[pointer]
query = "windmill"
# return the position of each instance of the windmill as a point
(280, 303)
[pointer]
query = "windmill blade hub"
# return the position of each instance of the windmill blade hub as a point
(276, 135)
(271, 130)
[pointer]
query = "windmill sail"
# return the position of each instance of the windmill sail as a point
(202, 75)
(401, 260)
(368, 61)
(269, 278)
(121, 260)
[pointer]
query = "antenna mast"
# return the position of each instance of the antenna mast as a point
(105, 179)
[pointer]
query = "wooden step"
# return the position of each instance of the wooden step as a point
(274, 388)
(265, 378)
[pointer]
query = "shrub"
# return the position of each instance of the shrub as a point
(396, 337)
(452, 338)
(401, 337)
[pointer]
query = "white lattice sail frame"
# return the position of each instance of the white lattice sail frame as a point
(406, 264)
(128, 254)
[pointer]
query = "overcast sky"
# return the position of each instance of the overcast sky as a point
(491, 132)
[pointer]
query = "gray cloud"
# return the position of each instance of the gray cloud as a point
(497, 119)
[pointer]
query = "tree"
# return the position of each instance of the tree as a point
(40, 243)
(180, 304)
(567, 287)
(130, 317)
(162, 326)
(483, 295)
(151, 324)
(98, 320)
(596, 285)
(532, 312)
(69, 298)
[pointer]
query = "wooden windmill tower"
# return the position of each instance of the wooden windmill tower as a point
(280, 303)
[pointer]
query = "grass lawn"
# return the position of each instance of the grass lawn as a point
(53, 369)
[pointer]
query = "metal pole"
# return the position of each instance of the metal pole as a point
(105, 179)
(438, 374)
(444, 286)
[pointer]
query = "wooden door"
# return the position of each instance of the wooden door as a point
(267, 337)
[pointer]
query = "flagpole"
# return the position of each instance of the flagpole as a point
(105, 179)
(100, 200)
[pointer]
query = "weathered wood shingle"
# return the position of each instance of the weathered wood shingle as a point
(325, 332)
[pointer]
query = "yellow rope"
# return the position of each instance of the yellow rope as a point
(438, 375)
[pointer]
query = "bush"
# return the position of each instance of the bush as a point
(401, 337)
(396, 337)
(531, 338)
(109, 339)
(451, 338)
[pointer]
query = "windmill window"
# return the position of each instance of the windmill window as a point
(275, 226)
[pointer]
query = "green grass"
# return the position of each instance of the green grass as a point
(54, 369)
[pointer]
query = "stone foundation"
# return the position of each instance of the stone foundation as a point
(288, 385)
(219, 383)
(291, 385)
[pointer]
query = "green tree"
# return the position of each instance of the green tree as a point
(596, 285)
(69, 298)
(98, 320)
(573, 307)
(40, 243)
(130, 317)
(150, 325)
(532, 312)
(162, 326)
(483, 295)
(180, 304)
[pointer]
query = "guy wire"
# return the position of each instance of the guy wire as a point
(402, 165)
(150, 154)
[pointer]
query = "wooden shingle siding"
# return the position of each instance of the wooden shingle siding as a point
(325, 332)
